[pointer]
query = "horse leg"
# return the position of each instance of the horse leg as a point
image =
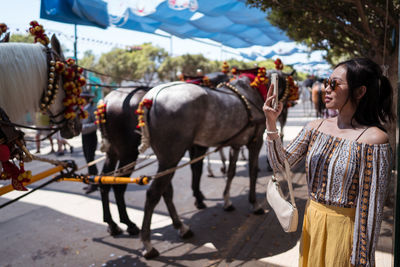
(153, 195)
(197, 169)
(209, 170)
(119, 192)
(243, 156)
(113, 228)
(254, 150)
(233, 156)
(183, 230)
(223, 160)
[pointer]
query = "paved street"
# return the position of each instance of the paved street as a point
(61, 226)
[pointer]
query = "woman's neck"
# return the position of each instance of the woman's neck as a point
(345, 119)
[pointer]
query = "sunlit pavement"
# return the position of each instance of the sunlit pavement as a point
(61, 226)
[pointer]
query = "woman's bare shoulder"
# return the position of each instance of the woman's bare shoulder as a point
(314, 124)
(374, 136)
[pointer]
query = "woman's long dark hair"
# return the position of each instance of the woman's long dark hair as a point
(375, 107)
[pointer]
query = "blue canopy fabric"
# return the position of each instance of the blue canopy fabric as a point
(229, 22)
(82, 12)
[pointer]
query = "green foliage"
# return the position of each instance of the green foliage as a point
(343, 28)
(119, 64)
(135, 64)
(88, 60)
(239, 64)
(186, 64)
(28, 38)
(21, 38)
(149, 62)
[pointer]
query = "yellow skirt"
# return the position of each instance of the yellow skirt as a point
(327, 235)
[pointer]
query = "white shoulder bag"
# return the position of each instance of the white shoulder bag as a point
(286, 211)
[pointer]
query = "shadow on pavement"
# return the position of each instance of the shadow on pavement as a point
(235, 236)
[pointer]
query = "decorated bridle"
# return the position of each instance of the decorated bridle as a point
(12, 143)
(71, 77)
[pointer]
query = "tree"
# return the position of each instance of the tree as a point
(241, 64)
(21, 38)
(88, 60)
(118, 64)
(186, 64)
(149, 58)
(133, 64)
(345, 28)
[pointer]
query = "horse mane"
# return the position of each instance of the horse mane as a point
(23, 77)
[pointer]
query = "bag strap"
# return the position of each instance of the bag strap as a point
(289, 180)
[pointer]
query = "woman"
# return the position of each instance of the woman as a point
(348, 163)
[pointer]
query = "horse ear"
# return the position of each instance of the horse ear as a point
(55, 44)
(6, 38)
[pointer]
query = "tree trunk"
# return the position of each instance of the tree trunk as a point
(392, 62)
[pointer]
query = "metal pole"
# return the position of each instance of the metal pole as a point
(170, 46)
(75, 45)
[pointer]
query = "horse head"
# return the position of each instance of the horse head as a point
(69, 127)
(285, 81)
(216, 78)
(210, 80)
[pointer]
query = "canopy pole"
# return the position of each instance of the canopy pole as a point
(170, 45)
(75, 44)
(222, 51)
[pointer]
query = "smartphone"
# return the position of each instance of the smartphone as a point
(274, 81)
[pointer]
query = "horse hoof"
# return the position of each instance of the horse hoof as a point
(153, 253)
(229, 208)
(187, 234)
(223, 170)
(200, 205)
(259, 211)
(114, 230)
(133, 230)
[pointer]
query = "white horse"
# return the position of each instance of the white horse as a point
(24, 78)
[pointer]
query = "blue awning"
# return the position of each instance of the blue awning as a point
(229, 22)
(82, 12)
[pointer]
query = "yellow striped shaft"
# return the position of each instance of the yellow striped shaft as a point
(35, 178)
(104, 180)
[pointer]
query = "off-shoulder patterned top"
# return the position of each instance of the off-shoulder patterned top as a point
(342, 173)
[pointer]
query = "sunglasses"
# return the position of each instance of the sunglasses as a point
(332, 83)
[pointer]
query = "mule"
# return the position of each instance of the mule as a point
(120, 141)
(221, 119)
(24, 79)
(318, 95)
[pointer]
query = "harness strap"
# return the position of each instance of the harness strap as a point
(241, 97)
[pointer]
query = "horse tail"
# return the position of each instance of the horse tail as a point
(321, 103)
(142, 112)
